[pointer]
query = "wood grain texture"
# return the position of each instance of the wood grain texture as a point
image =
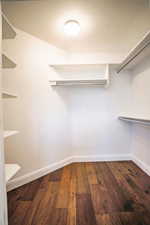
(101, 193)
(63, 192)
(71, 217)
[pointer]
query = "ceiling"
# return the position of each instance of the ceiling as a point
(106, 25)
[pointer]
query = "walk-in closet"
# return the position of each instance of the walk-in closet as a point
(75, 112)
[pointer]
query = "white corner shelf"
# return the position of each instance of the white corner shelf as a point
(7, 63)
(101, 78)
(137, 54)
(8, 30)
(8, 133)
(11, 170)
(135, 119)
(7, 94)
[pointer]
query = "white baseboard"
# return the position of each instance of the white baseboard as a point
(100, 158)
(17, 182)
(141, 164)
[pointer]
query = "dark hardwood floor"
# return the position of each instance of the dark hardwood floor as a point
(113, 193)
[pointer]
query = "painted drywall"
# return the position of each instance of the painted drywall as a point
(141, 107)
(56, 123)
(96, 129)
(96, 57)
(40, 113)
(3, 201)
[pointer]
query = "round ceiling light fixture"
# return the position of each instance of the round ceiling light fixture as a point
(72, 28)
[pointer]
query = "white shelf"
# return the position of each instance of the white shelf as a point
(81, 74)
(7, 63)
(7, 94)
(69, 67)
(11, 170)
(70, 82)
(8, 133)
(135, 119)
(137, 54)
(8, 31)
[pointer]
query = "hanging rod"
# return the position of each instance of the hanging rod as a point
(135, 52)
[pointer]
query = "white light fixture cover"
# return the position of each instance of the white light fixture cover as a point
(72, 28)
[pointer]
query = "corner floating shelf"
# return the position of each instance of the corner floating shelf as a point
(11, 170)
(137, 54)
(7, 28)
(101, 79)
(135, 119)
(7, 94)
(7, 63)
(8, 133)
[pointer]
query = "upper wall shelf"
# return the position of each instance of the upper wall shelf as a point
(11, 170)
(137, 54)
(135, 119)
(7, 63)
(81, 74)
(8, 133)
(69, 67)
(6, 94)
(70, 82)
(8, 31)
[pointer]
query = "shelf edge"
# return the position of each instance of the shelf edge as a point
(134, 119)
(11, 170)
(7, 28)
(8, 133)
(137, 50)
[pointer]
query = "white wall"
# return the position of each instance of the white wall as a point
(39, 113)
(3, 202)
(96, 129)
(60, 122)
(141, 107)
(96, 57)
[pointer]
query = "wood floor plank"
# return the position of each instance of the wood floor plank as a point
(20, 213)
(91, 173)
(47, 205)
(135, 201)
(85, 211)
(63, 195)
(30, 190)
(106, 219)
(141, 179)
(139, 194)
(14, 198)
(98, 190)
(137, 181)
(36, 202)
(101, 201)
(117, 198)
(82, 179)
(56, 175)
(100, 195)
(71, 217)
(131, 203)
(127, 218)
(59, 217)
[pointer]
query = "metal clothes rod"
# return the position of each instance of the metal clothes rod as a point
(135, 52)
